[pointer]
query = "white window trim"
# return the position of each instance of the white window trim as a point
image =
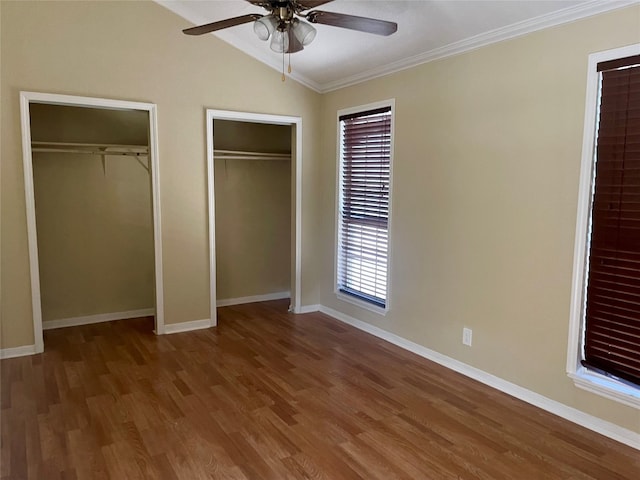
(340, 295)
(583, 378)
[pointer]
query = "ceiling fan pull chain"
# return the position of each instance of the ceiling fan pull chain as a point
(289, 69)
(283, 64)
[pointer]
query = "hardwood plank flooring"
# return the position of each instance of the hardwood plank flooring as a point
(271, 395)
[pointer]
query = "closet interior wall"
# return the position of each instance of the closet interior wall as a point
(252, 209)
(93, 213)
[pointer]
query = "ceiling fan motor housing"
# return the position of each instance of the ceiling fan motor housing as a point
(285, 14)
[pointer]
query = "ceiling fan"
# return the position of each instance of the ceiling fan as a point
(284, 24)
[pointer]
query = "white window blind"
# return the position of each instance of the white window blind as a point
(363, 223)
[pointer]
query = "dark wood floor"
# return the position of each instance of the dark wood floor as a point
(270, 395)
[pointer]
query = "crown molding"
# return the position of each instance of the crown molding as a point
(567, 15)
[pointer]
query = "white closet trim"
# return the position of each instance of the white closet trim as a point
(296, 200)
(26, 98)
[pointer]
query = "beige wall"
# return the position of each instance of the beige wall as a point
(251, 136)
(64, 123)
(485, 187)
(95, 236)
(136, 51)
(253, 211)
(94, 221)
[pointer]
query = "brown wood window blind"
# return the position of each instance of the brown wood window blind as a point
(612, 322)
(363, 222)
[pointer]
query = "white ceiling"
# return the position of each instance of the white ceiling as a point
(426, 30)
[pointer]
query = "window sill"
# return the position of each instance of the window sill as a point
(606, 387)
(362, 303)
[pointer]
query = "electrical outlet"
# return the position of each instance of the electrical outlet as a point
(466, 336)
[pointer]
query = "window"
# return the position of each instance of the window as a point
(605, 357)
(365, 151)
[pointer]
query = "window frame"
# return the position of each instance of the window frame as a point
(360, 302)
(583, 377)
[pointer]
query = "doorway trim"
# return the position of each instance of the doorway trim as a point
(296, 188)
(26, 98)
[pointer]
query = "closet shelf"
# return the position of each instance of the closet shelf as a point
(244, 155)
(90, 148)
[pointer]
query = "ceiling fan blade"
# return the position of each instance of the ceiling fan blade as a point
(294, 44)
(229, 22)
(307, 4)
(362, 24)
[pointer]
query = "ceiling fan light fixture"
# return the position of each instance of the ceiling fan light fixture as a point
(265, 26)
(304, 32)
(283, 24)
(280, 41)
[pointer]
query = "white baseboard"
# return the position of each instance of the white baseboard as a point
(17, 351)
(99, 318)
(308, 309)
(187, 326)
(255, 298)
(596, 424)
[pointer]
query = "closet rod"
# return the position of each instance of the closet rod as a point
(243, 152)
(246, 155)
(89, 152)
(85, 145)
(249, 157)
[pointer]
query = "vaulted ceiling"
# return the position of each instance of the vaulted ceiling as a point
(427, 30)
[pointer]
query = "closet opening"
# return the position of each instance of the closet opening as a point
(93, 219)
(254, 207)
